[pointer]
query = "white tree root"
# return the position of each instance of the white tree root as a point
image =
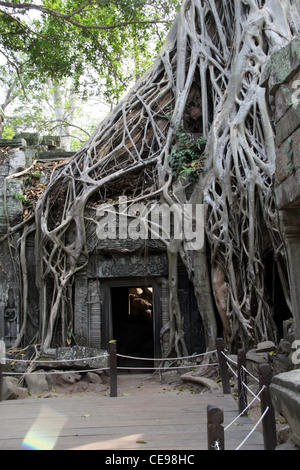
(206, 79)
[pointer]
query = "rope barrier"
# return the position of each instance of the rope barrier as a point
(242, 381)
(167, 368)
(249, 390)
(229, 359)
(252, 430)
(57, 372)
(164, 359)
(31, 361)
(234, 373)
(228, 362)
(251, 375)
(247, 407)
(62, 361)
(171, 359)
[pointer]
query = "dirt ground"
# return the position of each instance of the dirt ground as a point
(136, 384)
(128, 384)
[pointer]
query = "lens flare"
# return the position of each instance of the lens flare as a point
(45, 430)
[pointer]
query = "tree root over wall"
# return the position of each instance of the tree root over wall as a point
(205, 81)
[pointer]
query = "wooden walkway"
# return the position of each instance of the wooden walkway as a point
(169, 422)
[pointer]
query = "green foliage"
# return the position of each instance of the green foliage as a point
(46, 108)
(24, 199)
(101, 46)
(99, 39)
(33, 176)
(8, 132)
(187, 157)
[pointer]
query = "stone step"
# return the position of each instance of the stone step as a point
(14, 143)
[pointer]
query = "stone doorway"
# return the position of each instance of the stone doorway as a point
(132, 316)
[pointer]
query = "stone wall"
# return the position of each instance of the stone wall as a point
(11, 212)
(282, 80)
(17, 155)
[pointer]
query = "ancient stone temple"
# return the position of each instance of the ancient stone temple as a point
(123, 294)
(203, 127)
(11, 212)
(24, 160)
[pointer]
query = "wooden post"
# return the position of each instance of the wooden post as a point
(223, 366)
(215, 428)
(113, 368)
(242, 379)
(268, 422)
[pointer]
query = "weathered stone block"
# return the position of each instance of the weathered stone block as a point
(36, 382)
(16, 161)
(51, 141)
(288, 123)
(14, 143)
(83, 357)
(283, 66)
(287, 95)
(265, 346)
(93, 378)
(33, 139)
(288, 191)
(129, 266)
(285, 393)
(64, 378)
(55, 155)
(282, 171)
(11, 389)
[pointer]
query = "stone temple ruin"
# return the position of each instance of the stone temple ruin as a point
(123, 290)
(119, 294)
(103, 289)
(17, 156)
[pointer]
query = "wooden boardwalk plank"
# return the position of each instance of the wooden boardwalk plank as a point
(161, 422)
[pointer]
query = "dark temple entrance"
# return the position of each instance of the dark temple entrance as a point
(132, 321)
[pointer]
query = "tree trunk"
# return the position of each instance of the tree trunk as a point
(205, 82)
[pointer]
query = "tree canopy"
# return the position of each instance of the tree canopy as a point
(204, 83)
(90, 41)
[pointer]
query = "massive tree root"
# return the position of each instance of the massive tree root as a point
(205, 82)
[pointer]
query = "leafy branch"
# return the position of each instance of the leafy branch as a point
(187, 158)
(24, 199)
(68, 17)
